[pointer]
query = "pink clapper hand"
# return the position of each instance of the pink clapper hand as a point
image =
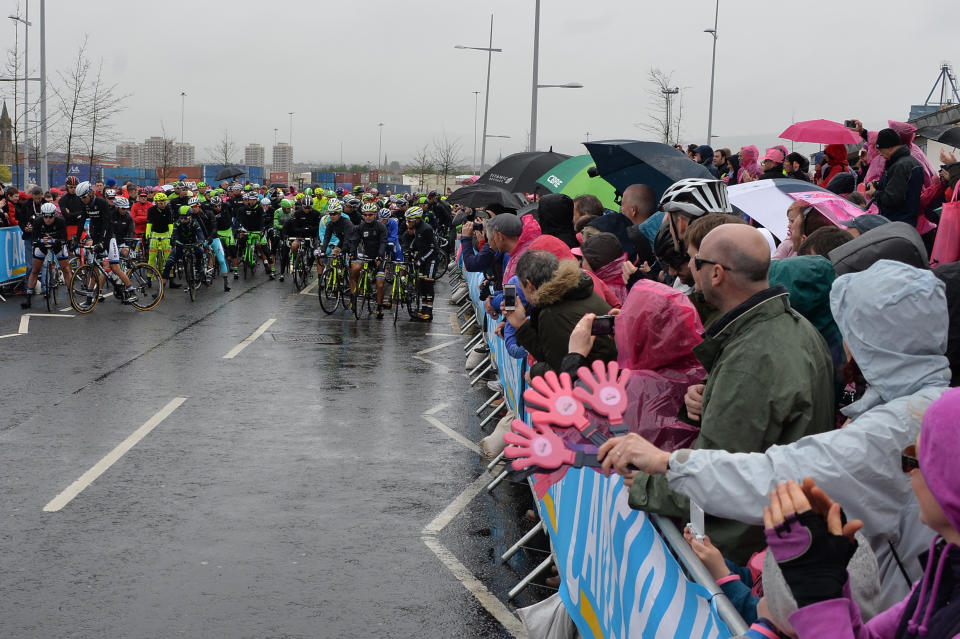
(541, 447)
(551, 401)
(608, 391)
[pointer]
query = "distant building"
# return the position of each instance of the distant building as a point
(254, 155)
(129, 154)
(157, 152)
(282, 157)
(6, 137)
(184, 154)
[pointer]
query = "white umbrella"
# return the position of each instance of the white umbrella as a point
(767, 201)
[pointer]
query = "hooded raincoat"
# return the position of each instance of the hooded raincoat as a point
(530, 232)
(859, 464)
(555, 213)
(749, 165)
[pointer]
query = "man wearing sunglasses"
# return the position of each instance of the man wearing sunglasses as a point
(49, 234)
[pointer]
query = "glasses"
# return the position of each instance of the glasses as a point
(49, 216)
(369, 214)
(908, 459)
(698, 262)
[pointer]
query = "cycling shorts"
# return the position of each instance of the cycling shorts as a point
(39, 252)
(226, 237)
(113, 253)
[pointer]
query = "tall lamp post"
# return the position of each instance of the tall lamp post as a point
(486, 100)
(713, 69)
(183, 101)
(290, 141)
(25, 20)
(476, 102)
(536, 75)
(380, 148)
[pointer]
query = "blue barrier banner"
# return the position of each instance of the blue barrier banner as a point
(13, 260)
(619, 579)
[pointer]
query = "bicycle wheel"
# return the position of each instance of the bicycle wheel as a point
(356, 301)
(84, 288)
(57, 281)
(148, 285)
(413, 296)
(189, 277)
(329, 290)
(443, 262)
(298, 272)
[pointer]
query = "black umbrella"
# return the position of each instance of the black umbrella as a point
(518, 173)
(229, 172)
(626, 162)
(948, 134)
(479, 196)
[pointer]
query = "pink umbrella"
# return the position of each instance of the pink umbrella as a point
(833, 207)
(821, 132)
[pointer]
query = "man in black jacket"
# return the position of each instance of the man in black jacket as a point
(898, 192)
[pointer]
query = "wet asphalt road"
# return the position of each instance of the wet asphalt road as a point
(285, 497)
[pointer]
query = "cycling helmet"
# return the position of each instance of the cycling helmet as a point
(358, 188)
(374, 192)
(369, 207)
(352, 201)
(330, 193)
(334, 206)
(216, 200)
(194, 201)
(385, 214)
(121, 203)
(285, 204)
(307, 201)
(251, 197)
(246, 188)
(48, 209)
(84, 189)
(695, 197)
(263, 201)
(160, 197)
(432, 193)
(339, 192)
(308, 191)
(367, 197)
(299, 196)
(111, 193)
(184, 210)
(416, 213)
(201, 185)
(422, 199)
(235, 187)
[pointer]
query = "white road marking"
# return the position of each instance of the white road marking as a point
(452, 434)
(10, 335)
(430, 537)
(254, 335)
(309, 289)
(436, 409)
(437, 347)
(25, 320)
(74, 489)
(65, 309)
(442, 334)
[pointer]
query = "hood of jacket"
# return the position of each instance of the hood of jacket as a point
(657, 328)
(808, 279)
(569, 282)
(529, 232)
(893, 318)
(555, 214)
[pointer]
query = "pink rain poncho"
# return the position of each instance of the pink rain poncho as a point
(748, 163)
(530, 232)
(656, 331)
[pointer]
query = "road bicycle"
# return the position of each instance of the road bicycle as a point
(334, 284)
(250, 240)
(51, 278)
(366, 294)
(402, 289)
(187, 268)
(87, 281)
(301, 263)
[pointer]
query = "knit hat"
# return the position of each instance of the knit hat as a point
(862, 569)
(939, 450)
(507, 223)
(888, 138)
(774, 154)
(864, 223)
(601, 249)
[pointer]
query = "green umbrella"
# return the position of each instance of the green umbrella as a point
(570, 178)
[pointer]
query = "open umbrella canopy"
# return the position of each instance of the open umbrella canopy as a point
(229, 172)
(945, 133)
(626, 162)
(821, 132)
(767, 201)
(518, 173)
(478, 196)
(571, 177)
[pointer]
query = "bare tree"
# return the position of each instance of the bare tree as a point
(225, 150)
(164, 159)
(422, 163)
(666, 107)
(14, 69)
(71, 98)
(103, 103)
(446, 156)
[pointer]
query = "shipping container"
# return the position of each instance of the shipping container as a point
(323, 177)
(393, 188)
(346, 186)
(279, 177)
(173, 173)
(56, 173)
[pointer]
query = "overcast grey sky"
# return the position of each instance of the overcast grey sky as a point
(344, 66)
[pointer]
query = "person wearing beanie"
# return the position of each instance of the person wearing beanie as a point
(603, 255)
(817, 569)
(897, 192)
(704, 155)
(772, 164)
(555, 214)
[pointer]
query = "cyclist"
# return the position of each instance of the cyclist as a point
(49, 234)
(278, 243)
(223, 220)
(208, 223)
(250, 221)
(394, 251)
(336, 233)
(440, 212)
(369, 241)
(268, 207)
(185, 231)
(351, 210)
(100, 213)
(159, 225)
(122, 226)
(300, 225)
(419, 241)
(138, 211)
(71, 207)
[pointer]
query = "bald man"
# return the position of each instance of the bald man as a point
(769, 376)
(639, 202)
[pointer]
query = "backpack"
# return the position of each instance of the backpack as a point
(894, 241)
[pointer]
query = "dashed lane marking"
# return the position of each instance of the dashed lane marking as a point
(74, 489)
(308, 290)
(254, 335)
(437, 347)
(452, 434)
(25, 320)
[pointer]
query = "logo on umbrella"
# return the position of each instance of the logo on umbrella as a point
(555, 182)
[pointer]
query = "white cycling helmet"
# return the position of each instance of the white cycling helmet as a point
(83, 189)
(334, 206)
(48, 209)
(194, 201)
(121, 202)
(696, 197)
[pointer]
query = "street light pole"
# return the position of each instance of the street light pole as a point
(290, 141)
(380, 149)
(183, 102)
(25, 20)
(44, 172)
(486, 100)
(536, 73)
(713, 69)
(476, 102)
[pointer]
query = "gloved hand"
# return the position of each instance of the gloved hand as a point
(812, 553)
